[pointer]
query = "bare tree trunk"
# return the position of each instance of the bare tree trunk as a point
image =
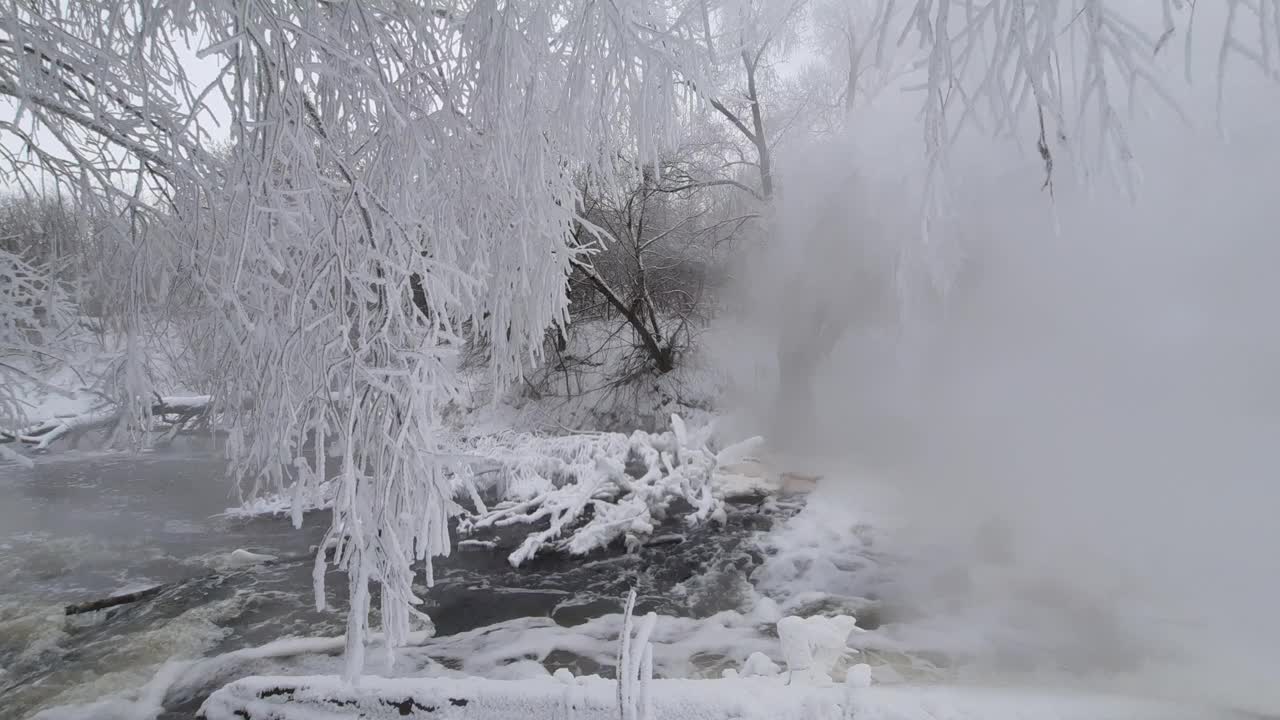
(759, 138)
(662, 356)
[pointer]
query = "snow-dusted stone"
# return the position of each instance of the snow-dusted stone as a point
(243, 558)
(759, 664)
(859, 676)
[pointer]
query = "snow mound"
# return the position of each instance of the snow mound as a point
(812, 646)
(759, 664)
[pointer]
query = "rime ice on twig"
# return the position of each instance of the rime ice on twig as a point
(635, 663)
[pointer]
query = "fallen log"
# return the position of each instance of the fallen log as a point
(113, 601)
(581, 698)
(40, 435)
(594, 698)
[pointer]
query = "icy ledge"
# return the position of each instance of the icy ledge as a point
(812, 649)
(589, 698)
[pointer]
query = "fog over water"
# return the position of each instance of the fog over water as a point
(1090, 395)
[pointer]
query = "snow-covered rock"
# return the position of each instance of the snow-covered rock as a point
(759, 664)
(812, 646)
(859, 676)
(243, 558)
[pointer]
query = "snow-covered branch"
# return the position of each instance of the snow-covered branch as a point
(1069, 66)
(812, 647)
(175, 412)
(593, 489)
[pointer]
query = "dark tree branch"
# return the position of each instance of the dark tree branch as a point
(737, 122)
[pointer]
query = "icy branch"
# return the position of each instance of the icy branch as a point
(176, 411)
(758, 693)
(594, 489)
(635, 664)
(1065, 64)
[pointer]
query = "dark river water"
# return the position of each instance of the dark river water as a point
(81, 527)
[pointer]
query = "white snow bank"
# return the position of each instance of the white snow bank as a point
(811, 645)
(589, 698)
(682, 647)
(178, 675)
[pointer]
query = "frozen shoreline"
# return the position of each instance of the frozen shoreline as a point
(592, 698)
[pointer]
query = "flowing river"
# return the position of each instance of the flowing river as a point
(76, 528)
(82, 527)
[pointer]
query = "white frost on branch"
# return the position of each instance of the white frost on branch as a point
(179, 411)
(593, 489)
(635, 663)
(1069, 70)
(400, 180)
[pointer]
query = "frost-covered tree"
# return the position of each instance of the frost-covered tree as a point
(400, 179)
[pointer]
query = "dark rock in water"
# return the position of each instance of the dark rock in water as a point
(577, 610)
(576, 664)
(112, 601)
